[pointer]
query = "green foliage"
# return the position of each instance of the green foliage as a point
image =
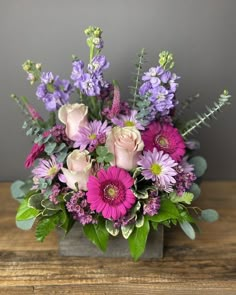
(188, 229)
(168, 211)
(195, 190)
(50, 147)
(166, 60)
(186, 104)
(24, 212)
(103, 156)
(45, 226)
(137, 240)
(25, 224)
(185, 198)
(209, 215)
(111, 229)
(134, 90)
(16, 190)
(200, 165)
(205, 117)
(35, 201)
(97, 234)
(127, 230)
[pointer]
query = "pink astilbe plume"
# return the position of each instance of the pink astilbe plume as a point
(116, 104)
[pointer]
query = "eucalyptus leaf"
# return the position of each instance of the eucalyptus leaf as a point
(25, 224)
(200, 165)
(49, 147)
(188, 229)
(16, 191)
(195, 189)
(209, 215)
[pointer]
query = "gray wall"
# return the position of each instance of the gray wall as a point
(201, 34)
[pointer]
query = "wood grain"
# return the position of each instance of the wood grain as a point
(204, 266)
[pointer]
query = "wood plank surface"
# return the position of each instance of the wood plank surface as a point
(204, 266)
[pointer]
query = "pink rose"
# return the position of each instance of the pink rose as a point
(79, 168)
(126, 145)
(73, 116)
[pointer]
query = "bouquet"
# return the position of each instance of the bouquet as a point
(114, 166)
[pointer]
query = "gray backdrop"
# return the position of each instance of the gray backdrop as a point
(201, 34)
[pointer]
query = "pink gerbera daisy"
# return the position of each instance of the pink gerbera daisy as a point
(166, 138)
(109, 193)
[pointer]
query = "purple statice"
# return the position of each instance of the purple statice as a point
(59, 135)
(158, 167)
(92, 135)
(159, 87)
(47, 169)
(54, 194)
(152, 206)
(53, 91)
(185, 176)
(91, 82)
(128, 120)
(79, 207)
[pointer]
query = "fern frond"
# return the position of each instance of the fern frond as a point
(211, 112)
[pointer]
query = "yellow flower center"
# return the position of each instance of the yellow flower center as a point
(52, 171)
(162, 141)
(129, 124)
(111, 191)
(156, 169)
(92, 136)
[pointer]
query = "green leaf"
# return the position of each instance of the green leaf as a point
(35, 201)
(137, 240)
(195, 189)
(127, 230)
(24, 212)
(16, 191)
(209, 215)
(45, 226)
(49, 148)
(200, 165)
(185, 198)
(140, 221)
(101, 150)
(97, 234)
(167, 211)
(188, 229)
(25, 224)
(111, 229)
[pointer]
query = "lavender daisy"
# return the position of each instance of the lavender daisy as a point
(92, 135)
(158, 167)
(47, 168)
(128, 120)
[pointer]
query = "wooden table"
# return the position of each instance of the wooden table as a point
(204, 266)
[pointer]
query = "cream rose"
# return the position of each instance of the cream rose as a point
(73, 116)
(126, 145)
(79, 168)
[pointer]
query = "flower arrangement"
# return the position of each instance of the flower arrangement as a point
(114, 166)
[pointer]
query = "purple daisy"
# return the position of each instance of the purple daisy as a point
(158, 167)
(128, 120)
(47, 168)
(92, 135)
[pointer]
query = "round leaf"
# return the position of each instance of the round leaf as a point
(200, 165)
(209, 215)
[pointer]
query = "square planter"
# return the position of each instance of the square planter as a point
(76, 244)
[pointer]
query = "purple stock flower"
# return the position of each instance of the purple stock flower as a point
(98, 64)
(91, 83)
(160, 87)
(53, 92)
